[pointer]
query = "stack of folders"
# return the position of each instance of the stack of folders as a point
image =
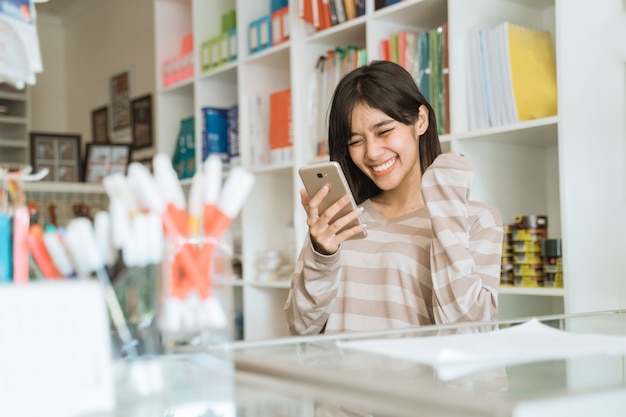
(322, 14)
(511, 75)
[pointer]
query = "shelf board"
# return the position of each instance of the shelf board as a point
(66, 187)
(16, 120)
(271, 284)
(259, 284)
(224, 73)
(13, 143)
(275, 56)
(184, 87)
(15, 96)
(423, 13)
(538, 291)
(538, 132)
(273, 168)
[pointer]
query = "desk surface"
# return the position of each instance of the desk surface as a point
(322, 376)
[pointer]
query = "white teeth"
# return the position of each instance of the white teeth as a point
(384, 166)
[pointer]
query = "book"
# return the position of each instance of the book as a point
(423, 53)
(215, 132)
(350, 7)
(360, 7)
(232, 125)
(512, 75)
(258, 106)
(446, 80)
(184, 156)
(280, 135)
(340, 10)
(533, 72)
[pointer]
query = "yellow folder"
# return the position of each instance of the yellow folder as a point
(533, 72)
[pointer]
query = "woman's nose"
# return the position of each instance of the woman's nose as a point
(373, 149)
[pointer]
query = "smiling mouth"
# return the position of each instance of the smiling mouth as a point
(384, 166)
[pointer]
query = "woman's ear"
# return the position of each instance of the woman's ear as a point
(422, 120)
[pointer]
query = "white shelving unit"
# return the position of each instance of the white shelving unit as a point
(535, 167)
(14, 126)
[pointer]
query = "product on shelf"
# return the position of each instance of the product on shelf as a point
(552, 265)
(528, 233)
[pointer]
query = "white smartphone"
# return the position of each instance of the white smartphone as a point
(315, 176)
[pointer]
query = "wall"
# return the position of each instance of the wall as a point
(81, 50)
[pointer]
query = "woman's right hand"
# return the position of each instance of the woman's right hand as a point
(326, 236)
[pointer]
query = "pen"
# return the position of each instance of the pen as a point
(56, 247)
(195, 204)
(81, 240)
(5, 247)
(212, 187)
(21, 220)
(40, 253)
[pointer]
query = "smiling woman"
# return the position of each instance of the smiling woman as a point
(431, 255)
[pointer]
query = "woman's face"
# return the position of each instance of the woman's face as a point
(384, 149)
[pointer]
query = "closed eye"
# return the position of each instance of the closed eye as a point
(355, 142)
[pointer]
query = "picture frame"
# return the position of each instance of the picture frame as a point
(120, 94)
(100, 125)
(59, 152)
(105, 159)
(141, 116)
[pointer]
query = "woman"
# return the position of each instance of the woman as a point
(431, 256)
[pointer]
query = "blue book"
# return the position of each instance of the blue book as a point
(215, 132)
(423, 55)
(360, 7)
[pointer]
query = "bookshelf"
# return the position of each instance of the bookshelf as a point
(14, 126)
(531, 167)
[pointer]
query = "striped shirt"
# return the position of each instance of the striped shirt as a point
(439, 264)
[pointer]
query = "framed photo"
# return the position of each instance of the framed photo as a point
(100, 125)
(103, 160)
(119, 90)
(141, 112)
(59, 152)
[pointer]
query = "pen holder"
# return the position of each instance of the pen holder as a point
(195, 304)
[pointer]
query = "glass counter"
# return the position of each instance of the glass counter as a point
(332, 376)
(578, 369)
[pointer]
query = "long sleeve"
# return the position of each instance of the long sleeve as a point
(313, 292)
(465, 254)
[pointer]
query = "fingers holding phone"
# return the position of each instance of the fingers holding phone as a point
(332, 214)
(326, 228)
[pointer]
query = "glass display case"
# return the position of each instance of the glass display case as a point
(552, 365)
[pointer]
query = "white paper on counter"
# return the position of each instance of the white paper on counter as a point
(453, 356)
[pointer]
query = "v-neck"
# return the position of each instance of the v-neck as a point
(371, 210)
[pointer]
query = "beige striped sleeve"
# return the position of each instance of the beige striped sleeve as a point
(466, 248)
(313, 291)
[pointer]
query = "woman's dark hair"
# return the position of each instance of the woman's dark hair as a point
(385, 86)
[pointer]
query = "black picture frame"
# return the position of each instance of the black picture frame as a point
(100, 125)
(120, 94)
(59, 152)
(105, 159)
(141, 116)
